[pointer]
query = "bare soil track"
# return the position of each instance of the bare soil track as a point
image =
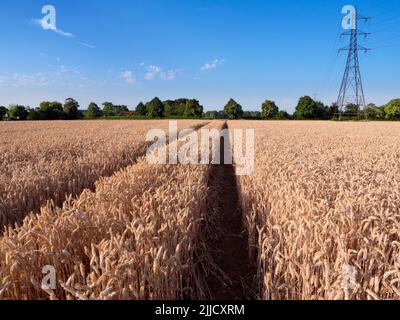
(228, 243)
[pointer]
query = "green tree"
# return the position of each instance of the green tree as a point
(111, 110)
(193, 109)
(283, 115)
(17, 112)
(222, 115)
(93, 111)
(269, 110)
(215, 115)
(211, 115)
(171, 109)
(155, 109)
(50, 111)
(71, 109)
(141, 110)
(392, 109)
(352, 109)
(34, 114)
(307, 108)
(233, 110)
(3, 111)
(179, 108)
(373, 112)
(321, 111)
(249, 115)
(255, 114)
(334, 110)
(119, 109)
(252, 115)
(108, 109)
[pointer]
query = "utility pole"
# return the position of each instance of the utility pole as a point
(351, 90)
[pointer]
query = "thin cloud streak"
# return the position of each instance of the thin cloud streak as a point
(212, 65)
(40, 23)
(87, 45)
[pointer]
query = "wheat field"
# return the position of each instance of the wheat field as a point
(53, 160)
(137, 236)
(323, 208)
(321, 213)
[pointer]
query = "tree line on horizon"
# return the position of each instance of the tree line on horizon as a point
(306, 109)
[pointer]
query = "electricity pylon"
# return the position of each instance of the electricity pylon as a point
(351, 90)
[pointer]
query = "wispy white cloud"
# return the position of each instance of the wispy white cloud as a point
(212, 65)
(64, 69)
(17, 80)
(63, 33)
(154, 72)
(127, 76)
(169, 75)
(40, 23)
(87, 45)
(66, 72)
(60, 75)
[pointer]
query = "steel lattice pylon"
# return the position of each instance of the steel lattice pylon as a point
(351, 90)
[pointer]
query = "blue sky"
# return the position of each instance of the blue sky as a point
(127, 51)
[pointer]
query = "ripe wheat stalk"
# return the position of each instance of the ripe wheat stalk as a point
(139, 235)
(325, 196)
(44, 161)
(324, 199)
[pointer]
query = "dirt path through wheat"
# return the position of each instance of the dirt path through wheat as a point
(229, 245)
